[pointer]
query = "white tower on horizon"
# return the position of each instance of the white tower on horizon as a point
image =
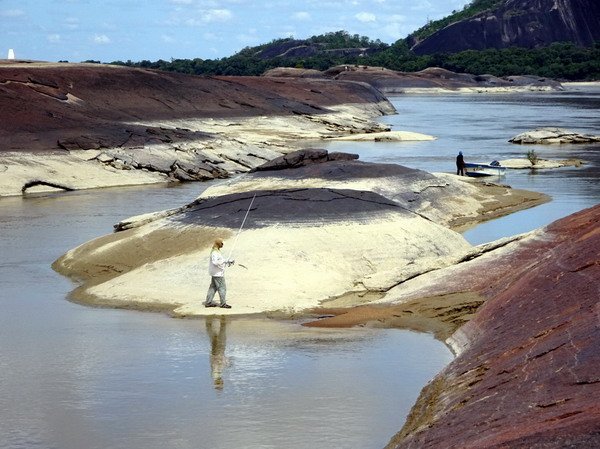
(11, 53)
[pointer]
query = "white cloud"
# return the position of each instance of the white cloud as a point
(217, 15)
(12, 13)
(209, 16)
(72, 23)
(101, 39)
(167, 39)
(423, 5)
(302, 15)
(182, 2)
(249, 38)
(366, 17)
(53, 38)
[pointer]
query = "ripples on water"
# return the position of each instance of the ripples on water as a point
(74, 377)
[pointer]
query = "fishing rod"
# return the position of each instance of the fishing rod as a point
(241, 227)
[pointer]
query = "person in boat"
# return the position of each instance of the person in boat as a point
(460, 164)
(216, 269)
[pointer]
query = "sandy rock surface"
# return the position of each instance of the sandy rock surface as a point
(33, 172)
(143, 125)
(549, 136)
(391, 136)
(294, 252)
(541, 163)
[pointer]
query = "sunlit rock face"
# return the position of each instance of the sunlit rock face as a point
(526, 374)
(519, 23)
(318, 226)
(313, 232)
(299, 247)
(78, 126)
(552, 135)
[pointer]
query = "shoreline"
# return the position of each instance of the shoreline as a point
(392, 91)
(506, 202)
(236, 145)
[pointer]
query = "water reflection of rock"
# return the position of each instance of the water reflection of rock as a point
(216, 331)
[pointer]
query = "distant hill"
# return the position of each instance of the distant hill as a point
(486, 24)
(339, 43)
(548, 38)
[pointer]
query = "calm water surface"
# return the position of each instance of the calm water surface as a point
(74, 377)
(480, 126)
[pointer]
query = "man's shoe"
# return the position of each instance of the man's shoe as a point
(210, 304)
(225, 306)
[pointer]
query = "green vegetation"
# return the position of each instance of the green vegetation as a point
(564, 61)
(256, 60)
(533, 157)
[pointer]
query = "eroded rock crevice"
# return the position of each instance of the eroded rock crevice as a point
(36, 183)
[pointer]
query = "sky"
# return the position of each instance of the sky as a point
(111, 30)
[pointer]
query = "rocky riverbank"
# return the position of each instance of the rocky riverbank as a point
(526, 372)
(307, 206)
(553, 136)
(520, 313)
(428, 81)
(78, 126)
(523, 322)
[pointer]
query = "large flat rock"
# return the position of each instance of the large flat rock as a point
(293, 254)
(446, 199)
(295, 251)
(87, 106)
(176, 127)
(553, 135)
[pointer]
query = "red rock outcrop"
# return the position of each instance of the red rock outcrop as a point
(527, 375)
(89, 106)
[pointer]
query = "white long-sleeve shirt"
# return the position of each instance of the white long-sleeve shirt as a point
(216, 264)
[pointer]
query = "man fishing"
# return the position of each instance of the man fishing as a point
(216, 269)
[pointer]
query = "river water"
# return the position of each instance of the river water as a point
(480, 126)
(76, 377)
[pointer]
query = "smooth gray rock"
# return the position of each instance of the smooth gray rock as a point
(553, 136)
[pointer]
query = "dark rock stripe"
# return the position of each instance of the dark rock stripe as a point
(289, 207)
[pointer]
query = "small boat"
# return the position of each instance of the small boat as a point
(477, 169)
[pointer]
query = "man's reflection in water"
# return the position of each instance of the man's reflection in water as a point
(215, 328)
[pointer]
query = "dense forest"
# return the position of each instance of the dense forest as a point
(563, 61)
